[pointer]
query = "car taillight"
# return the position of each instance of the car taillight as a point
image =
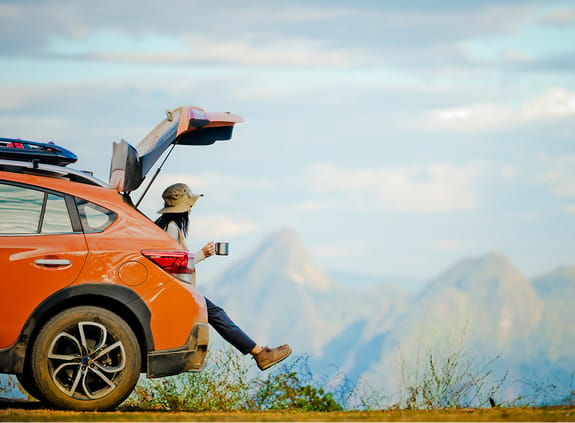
(174, 262)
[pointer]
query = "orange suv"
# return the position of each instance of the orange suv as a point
(93, 293)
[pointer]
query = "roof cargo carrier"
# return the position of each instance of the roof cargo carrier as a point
(39, 152)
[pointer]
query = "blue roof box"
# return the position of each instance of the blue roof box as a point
(29, 151)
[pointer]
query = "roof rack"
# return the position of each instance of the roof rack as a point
(36, 152)
(49, 170)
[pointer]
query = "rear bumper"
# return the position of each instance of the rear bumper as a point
(191, 356)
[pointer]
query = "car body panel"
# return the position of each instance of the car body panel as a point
(49, 264)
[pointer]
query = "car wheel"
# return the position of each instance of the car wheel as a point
(85, 358)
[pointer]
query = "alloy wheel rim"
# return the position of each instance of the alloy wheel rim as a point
(86, 361)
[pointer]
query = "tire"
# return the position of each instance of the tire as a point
(27, 383)
(85, 358)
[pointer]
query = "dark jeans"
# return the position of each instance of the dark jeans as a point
(221, 322)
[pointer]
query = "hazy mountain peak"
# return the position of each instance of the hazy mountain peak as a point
(286, 243)
(284, 237)
(560, 283)
(491, 269)
(491, 279)
(293, 261)
(280, 280)
(283, 258)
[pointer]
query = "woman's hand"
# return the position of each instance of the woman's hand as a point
(209, 249)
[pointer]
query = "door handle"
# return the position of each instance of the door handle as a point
(53, 262)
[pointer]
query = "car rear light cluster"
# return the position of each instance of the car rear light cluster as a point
(180, 264)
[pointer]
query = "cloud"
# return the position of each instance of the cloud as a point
(468, 118)
(292, 52)
(554, 103)
(427, 188)
(559, 175)
(326, 187)
(451, 244)
(205, 224)
(228, 185)
(337, 251)
(253, 34)
(220, 226)
(560, 17)
(292, 34)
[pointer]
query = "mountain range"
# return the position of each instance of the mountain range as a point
(482, 307)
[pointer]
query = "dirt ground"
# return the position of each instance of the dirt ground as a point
(15, 410)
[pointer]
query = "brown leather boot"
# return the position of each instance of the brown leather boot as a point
(267, 357)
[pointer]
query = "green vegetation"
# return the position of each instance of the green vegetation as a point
(450, 378)
(225, 386)
(548, 393)
(448, 374)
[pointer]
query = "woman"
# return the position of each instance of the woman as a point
(178, 201)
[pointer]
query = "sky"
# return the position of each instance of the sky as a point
(396, 138)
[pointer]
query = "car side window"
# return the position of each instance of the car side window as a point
(94, 218)
(20, 209)
(31, 211)
(56, 219)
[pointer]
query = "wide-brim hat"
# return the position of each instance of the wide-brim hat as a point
(178, 198)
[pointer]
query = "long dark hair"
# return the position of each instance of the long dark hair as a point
(180, 219)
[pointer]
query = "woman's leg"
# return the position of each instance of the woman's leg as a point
(221, 322)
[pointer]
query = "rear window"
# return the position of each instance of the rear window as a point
(94, 218)
(25, 211)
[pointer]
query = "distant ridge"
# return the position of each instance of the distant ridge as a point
(278, 295)
(560, 282)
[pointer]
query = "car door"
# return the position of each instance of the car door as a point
(187, 125)
(42, 250)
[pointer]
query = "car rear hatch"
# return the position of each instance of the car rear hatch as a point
(187, 125)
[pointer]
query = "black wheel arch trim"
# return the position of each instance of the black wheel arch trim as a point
(117, 298)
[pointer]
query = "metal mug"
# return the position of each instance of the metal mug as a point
(222, 248)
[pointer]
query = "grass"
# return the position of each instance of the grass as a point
(226, 386)
(21, 412)
(448, 374)
(451, 384)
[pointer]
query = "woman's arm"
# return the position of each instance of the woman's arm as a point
(207, 250)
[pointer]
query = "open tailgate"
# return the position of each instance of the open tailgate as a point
(187, 125)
